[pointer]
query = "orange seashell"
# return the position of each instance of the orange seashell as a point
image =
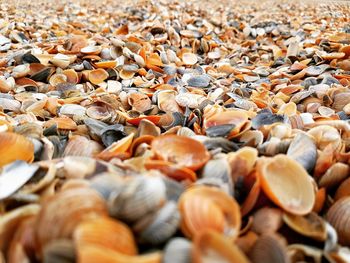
(14, 147)
(117, 149)
(210, 246)
(106, 232)
(96, 76)
(142, 139)
(25, 82)
(81, 146)
(204, 207)
(320, 200)
(93, 254)
(5, 126)
(122, 30)
(139, 102)
(63, 123)
(343, 190)
(72, 76)
(246, 242)
(181, 150)
(287, 184)
(254, 193)
(171, 170)
(237, 118)
(106, 64)
(75, 205)
(152, 118)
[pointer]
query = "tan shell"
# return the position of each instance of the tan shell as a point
(287, 184)
(267, 220)
(139, 102)
(97, 76)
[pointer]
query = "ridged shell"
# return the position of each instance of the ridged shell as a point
(178, 250)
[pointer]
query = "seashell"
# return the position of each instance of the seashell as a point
(220, 143)
(269, 248)
(177, 249)
(189, 59)
(171, 170)
(139, 102)
(42, 75)
(189, 100)
(116, 148)
(252, 138)
(152, 118)
(201, 81)
(111, 134)
(164, 225)
(287, 184)
(91, 254)
(81, 146)
(181, 150)
(204, 207)
(57, 79)
(75, 205)
(337, 216)
(265, 117)
(10, 221)
(20, 71)
(210, 246)
(246, 242)
(91, 50)
(343, 190)
(242, 162)
(62, 61)
(32, 130)
(10, 105)
(298, 252)
(63, 123)
(147, 127)
(334, 175)
(59, 251)
(98, 113)
(72, 76)
(71, 110)
(310, 225)
(15, 147)
(325, 135)
(14, 176)
(5, 86)
(107, 233)
(236, 118)
(315, 71)
(173, 189)
(106, 64)
(340, 100)
(267, 220)
(140, 196)
(166, 101)
(97, 76)
(303, 150)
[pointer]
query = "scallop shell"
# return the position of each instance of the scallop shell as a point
(287, 184)
(210, 246)
(181, 150)
(15, 147)
(204, 207)
(338, 216)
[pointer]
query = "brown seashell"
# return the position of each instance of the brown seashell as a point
(246, 242)
(269, 248)
(310, 225)
(97, 76)
(62, 123)
(15, 147)
(82, 146)
(267, 220)
(287, 184)
(334, 175)
(98, 113)
(106, 232)
(343, 190)
(320, 200)
(210, 246)
(139, 102)
(204, 207)
(75, 205)
(338, 216)
(181, 150)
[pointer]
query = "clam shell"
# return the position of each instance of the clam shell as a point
(334, 175)
(10, 105)
(141, 196)
(338, 216)
(164, 225)
(189, 59)
(267, 220)
(181, 150)
(98, 113)
(106, 232)
(210, 246)
(139, 102)
(178, 249)
(204, 207)
(269, 248)
(63, 123)
(15, 147)
(75, 206)
(201, 81)
(32, 130)
(81, 146)
(287, 184)
(97, 76)
(70, 110)
(343, 190)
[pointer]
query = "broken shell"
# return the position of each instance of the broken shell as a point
(338, 216)
(15, 147)
(334, 175)
(287, 184)
(181, 150)
(139, 101)
(204, 207)
(91, 50)
(62, 123)
(210, 246)
(97, 76)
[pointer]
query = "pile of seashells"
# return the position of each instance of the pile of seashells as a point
(174, 131)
